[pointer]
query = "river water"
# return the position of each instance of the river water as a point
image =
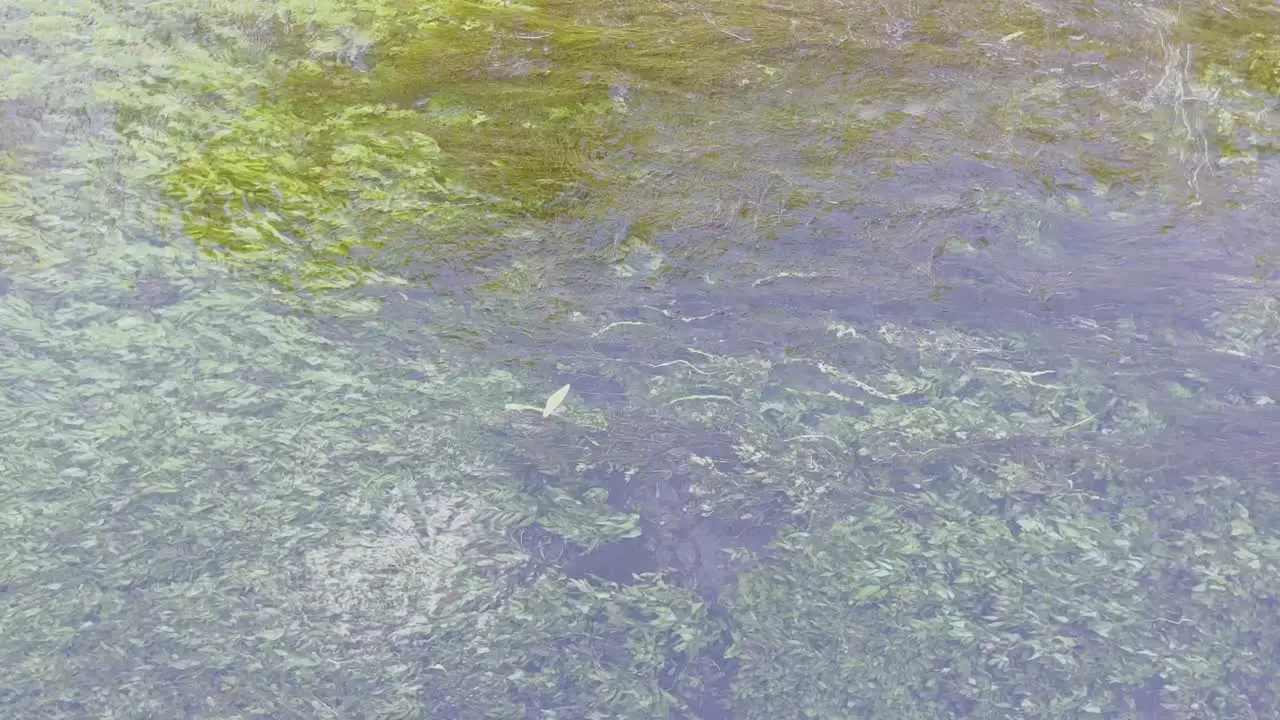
(922, 360)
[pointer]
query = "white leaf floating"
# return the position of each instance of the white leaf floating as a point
(521, 406)
(554, 402)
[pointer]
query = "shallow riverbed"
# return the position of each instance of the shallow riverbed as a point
(922, 359)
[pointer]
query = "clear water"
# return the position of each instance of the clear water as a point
(923, 365)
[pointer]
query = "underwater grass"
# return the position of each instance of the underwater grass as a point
(224, 496)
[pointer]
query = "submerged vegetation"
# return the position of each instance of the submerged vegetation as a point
(864, 418)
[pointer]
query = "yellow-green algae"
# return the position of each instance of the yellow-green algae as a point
(462, 115)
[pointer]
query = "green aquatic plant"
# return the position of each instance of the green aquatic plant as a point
(588, 522)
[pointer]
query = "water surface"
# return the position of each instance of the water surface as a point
(922, 360)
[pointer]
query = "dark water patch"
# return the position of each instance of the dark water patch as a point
(686, 534)
(617, 562)
(597, 390)
(704, 553)
(678, 542)
(1239, 442)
